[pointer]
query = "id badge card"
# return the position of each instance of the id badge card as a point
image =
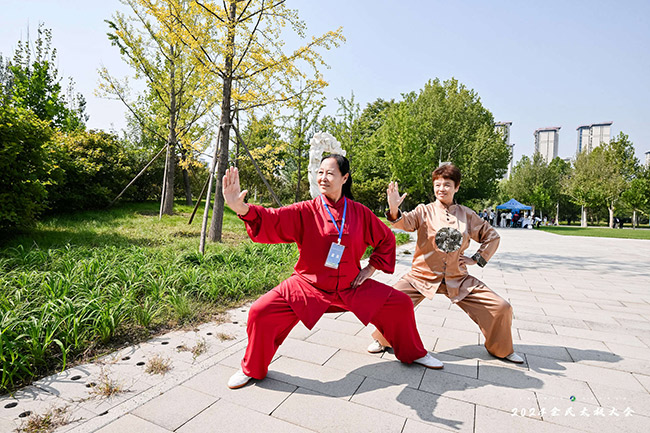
(334, 256)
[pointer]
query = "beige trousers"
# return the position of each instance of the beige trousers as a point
(489, 311)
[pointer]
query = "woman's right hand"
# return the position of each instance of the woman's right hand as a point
(232, 193)
(394, 199)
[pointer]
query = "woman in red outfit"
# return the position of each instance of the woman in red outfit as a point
(332, 232)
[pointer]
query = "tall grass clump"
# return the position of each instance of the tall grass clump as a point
(78, 283)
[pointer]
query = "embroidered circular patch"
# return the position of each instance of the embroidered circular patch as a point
(449, 239)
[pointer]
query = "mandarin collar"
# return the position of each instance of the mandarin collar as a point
(452, 207)
(336, 205)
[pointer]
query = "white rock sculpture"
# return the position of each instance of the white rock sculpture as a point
(321, 142)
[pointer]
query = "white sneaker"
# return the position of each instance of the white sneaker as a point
(513, 357)
(429, 362)
(238, 380)
(376, 347)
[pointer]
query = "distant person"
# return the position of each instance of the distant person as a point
(444, 230)
(509, 218)
(503, 220)
(515, 219)
(332, 232)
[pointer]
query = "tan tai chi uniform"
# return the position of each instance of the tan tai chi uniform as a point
(435, 271)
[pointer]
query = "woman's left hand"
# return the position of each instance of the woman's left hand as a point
(364, 274)
(467, 261)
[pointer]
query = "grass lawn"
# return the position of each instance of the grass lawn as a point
(80, 285)
(639, 233)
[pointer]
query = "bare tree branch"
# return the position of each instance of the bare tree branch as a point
(212, 12)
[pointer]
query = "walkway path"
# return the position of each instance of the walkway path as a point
(582, 322)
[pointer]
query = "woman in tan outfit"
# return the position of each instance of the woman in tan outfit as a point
(444, 230)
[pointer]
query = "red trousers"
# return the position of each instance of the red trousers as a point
(270, 320)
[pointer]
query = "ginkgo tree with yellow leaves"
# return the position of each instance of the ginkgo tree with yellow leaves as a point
(181, 94)
(240, 42)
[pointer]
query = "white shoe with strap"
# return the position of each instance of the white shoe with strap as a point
(376, 347)
(514, 357)
(430, 362)
(238, 379)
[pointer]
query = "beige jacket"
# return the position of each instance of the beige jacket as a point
(431, 265)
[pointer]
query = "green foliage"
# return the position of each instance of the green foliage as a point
(445, 121)
(637, 195)
(300, 126)
(356, 130)
(371, 169)
(263, 140)
(536, 183)
(91, 169)
(35, 85)
(600, 178)
(580, 183)
(619, 167)
(600, 232)
(24, 172)
(5, 81)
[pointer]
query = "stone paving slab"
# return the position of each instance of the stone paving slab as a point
(581, 322)
(174, 408)
(371, 365)
(352, 343)
(416, 404)
(132, 423)
(322, 413)
(478, 391)
(324, 380)
(231, 418)
(262, 396)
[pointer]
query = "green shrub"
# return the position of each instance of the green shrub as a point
(23, 170)
(92, 168)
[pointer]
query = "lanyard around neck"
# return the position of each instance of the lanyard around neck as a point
(345, 209)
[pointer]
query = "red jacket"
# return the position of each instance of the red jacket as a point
(313, 287)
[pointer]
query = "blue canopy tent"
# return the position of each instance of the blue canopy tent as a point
(513, 205)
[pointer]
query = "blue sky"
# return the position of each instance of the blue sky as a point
(534, 63)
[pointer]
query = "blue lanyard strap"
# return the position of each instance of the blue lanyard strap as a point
(345, 209)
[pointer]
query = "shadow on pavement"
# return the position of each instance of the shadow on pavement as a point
(383, 375)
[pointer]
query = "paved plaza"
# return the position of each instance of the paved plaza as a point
(581, 322)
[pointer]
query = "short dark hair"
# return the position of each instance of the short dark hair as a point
(344, 168)
(447, 170)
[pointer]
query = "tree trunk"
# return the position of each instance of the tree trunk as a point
(186, 180)
(216, 224)
(611, 216)
(297, 199)
(557, 213)
(583, 217)
(204, 222)
(188, 187)
(168, 189)
(298, 177)
(237, 150)
(634, 219)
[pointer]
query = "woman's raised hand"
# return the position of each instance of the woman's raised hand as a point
(232, 193)
(394, 199)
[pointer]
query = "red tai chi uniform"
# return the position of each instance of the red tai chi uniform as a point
(313, 287)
